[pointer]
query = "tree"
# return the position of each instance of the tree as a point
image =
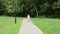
(3, 9)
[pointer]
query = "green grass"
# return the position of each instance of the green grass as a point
(47, 25)
(7, 25)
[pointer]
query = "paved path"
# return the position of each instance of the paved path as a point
(28, 27)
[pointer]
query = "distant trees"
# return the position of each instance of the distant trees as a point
(3, 9)
(47, 8)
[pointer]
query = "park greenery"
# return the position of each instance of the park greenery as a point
(7, 25)
(46, 25)
(36, 8)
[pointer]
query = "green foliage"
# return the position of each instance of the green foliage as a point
(2, 8)
(32, 7)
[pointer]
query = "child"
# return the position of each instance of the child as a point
(28, 17)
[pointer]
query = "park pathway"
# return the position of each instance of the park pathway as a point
(28, 27)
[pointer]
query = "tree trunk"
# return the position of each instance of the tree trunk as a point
(36, 12)
(15, 10)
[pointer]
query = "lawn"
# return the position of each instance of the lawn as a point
(7, 25)
(47, 25)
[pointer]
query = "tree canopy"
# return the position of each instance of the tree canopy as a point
(47, 8)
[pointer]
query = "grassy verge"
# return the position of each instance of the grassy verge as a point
(47, 26)
(7, 25)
